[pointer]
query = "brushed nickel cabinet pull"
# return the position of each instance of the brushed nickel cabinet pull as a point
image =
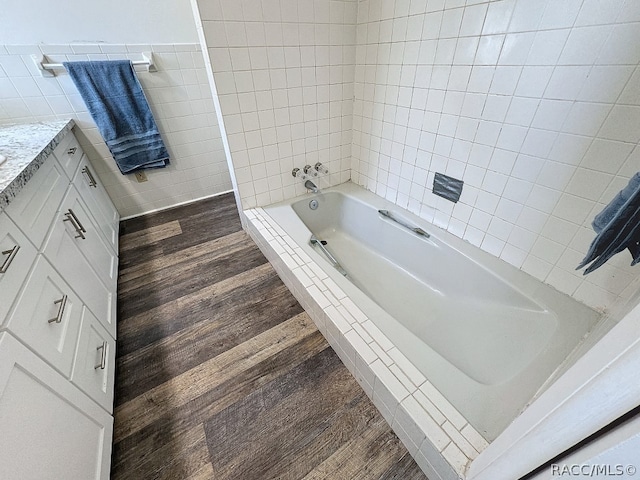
(12, 254)
(63, 303)
(92, 180)
(72, 151)
(103, 357)
(80, 230)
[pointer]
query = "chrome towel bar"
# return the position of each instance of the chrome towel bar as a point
(46, 68)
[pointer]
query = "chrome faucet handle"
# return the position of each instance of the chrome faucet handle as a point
(297, 173)
(318, 167)
(308, 169)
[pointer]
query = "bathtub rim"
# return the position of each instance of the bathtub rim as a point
(540, 293)
(519, 280)
(601, 376)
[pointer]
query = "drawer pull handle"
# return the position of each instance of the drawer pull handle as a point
(103, 357)
(92, 180)
(72, 151)
(63, 303)
(80, 230)
(12, 254)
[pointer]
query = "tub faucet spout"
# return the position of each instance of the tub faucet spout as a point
(311, 186)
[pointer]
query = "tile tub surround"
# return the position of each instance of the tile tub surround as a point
(442, 442)
(26, 147)
(283, 71)
(534, 104)
(179, 96)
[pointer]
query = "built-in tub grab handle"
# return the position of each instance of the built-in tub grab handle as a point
(315, 241)
(413, 228)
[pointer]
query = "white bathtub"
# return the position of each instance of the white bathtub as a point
(486, 335)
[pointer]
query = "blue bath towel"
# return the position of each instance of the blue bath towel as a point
(115, 99)
(617, 228)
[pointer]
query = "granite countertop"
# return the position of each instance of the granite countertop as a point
(26, 147)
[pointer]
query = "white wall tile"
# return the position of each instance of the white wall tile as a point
(498, 17)
(547, 47)
(551, 114)
(615, 51)
(179, 95)
(560, 15)
(588, 184)
(533, 81)
(584, 45)
(533, 104)
(473, 20)
(566, 81)
(623, 124)
(606, 155)
(586, 118)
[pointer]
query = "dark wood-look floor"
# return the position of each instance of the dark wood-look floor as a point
(221, 374)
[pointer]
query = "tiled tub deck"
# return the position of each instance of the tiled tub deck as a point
(442, 442)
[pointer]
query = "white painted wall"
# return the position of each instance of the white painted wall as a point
(96, 21)
(614, 455)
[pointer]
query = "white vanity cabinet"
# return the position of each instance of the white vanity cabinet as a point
(16, 256)
(94, 365)
(58, 281)
(95, 196)
(50, 429)
(37, 203)
(47, 316)
(68, 153)
(77, 249)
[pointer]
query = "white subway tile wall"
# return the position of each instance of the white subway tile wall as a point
(284, 73)
(535, 105)
(179, 96)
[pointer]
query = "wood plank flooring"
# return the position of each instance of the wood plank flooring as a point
(221, 374)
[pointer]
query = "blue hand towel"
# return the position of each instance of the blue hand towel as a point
(114, 97)
(617, 228)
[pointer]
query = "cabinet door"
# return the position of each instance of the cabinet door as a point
(38, 201)
(50, 429)
(85, 261)
(16, 256)
(95, 196)
(47, 316)
(94, 365)
(69, 153)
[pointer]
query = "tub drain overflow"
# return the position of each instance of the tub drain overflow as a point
(313, 204)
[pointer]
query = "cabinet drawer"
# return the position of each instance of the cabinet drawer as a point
(17, 255)
(37, 203)
(69, 153)
(78, 223)
(47, 316)
(94, 364)
(88, 264)
(97, 199)
(50, 429)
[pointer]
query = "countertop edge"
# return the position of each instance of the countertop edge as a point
(16, 185)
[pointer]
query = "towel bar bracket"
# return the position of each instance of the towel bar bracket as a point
(39, 61)
(47, 68)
